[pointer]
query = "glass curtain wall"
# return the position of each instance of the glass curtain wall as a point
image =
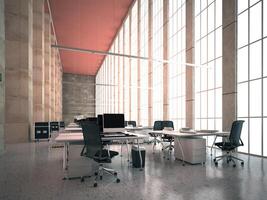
(134, 62)
(176, 76)
(157, 53)
(208, 54)
(143, 63)
(252, 75)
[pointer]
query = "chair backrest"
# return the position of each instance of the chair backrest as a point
(167, 124)
(235, 133)
(133, 123)
(91, 137)
(157, 126)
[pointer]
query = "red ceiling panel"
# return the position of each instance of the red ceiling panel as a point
(86, 24)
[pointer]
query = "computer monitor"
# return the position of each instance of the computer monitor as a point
(113, 123)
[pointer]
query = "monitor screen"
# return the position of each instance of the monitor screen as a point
(113, 122)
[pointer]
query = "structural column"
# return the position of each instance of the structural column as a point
(47, 67)
(52, 83)
(18, 73)
(150, 69)
(38, 60)
(190, 99)
(2, 75)
(229, 63)
(165, 57)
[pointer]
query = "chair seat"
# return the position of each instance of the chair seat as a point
(227, 146)
(167, 138)
(105, 158)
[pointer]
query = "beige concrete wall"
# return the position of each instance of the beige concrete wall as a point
(229, 63)
(2, 75)
(38, 61)
(47, 67)
(52, 79)
(18, 74)
(190, 99)
(165, 57)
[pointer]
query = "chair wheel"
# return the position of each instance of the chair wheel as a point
(234, 165)
(95, 184)
(227, 161)
(214, 160)
(100, 177)
(216, 164)
(118, 180)
(82, 179)
(242, 163)
(96, 173)
(115, 173)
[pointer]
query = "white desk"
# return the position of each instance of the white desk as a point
(178, 134)
(75, 137)
(70, 129)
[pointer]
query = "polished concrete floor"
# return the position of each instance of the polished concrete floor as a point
(34, 171)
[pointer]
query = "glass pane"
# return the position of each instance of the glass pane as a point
(265, 137)
(204, 50)
(265, 18)
(242, 5)
(251, 2)
(218, 81)
(218, 103)
(255, 98)
(211, 104)
(211, 75)
(203, 26)
(255, 60)
(218, 13)
(197, 6)
(255, 22)
(211, 18)
(218, 42)
(204, 110)
(211, 46)
(265, 97)
(265, 53)
(242, 33)
(242, 70)
(255, 136)
(242, 100)
(244, 136)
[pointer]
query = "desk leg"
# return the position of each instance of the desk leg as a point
(140, 156)
(127, 146)
(213, 145)
(181, 148)
(64, 155)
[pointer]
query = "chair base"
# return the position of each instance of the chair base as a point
(100, 172)
(229, 158)
(170, 147)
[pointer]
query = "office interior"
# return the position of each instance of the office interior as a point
(201, 64)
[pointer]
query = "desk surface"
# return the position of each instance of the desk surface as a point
(77, 137)
(189, 134)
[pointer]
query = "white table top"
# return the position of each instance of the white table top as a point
(73, 129)
(78, 137)
(189, 134)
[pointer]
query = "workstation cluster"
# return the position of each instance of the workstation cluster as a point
(97, 134)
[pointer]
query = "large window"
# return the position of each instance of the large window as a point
(208, 55)
(134, 63)
(127, 72)
(143, 63)
(176, 76)
(252, 74)
(157, 53)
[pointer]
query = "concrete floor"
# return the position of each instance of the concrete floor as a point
(34, 171)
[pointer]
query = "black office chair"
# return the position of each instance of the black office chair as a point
(95, 151)
(229, 146)
(157, 127)
(167, 138)
(133, 123)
